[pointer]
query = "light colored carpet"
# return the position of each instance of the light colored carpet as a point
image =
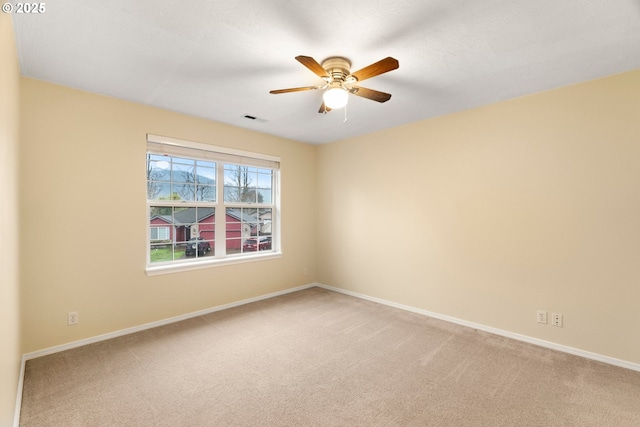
(319, 358)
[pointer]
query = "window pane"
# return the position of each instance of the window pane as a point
(179, 232)
(247, 195)
(158, 174)
(158, 170)
(183, 191)
(206, 193)
(160, 250)
(264, 196)
(232, 178)
(205, 175)
(241, 184)
(238, 228)
(265, 183)
(206, 181)
(176, 178)
(248, 230)
(231, 194)
(233, 246)
(265, 224)
(158, 190)
(234, 230)
(202, 236)
(183, 172)
(264, 180)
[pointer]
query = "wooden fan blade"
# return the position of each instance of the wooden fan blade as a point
(324, 108)
(313, 65)
(374, 95)
(295, 89)
(384, 65)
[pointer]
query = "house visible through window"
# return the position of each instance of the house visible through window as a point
(209, 203)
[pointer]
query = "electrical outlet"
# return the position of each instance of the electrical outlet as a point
(542, 316)
(556, 320)
(72, 318)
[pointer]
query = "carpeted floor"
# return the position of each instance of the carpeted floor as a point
(319, 358)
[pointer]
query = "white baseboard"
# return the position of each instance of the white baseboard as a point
(495, 331)
(16, 413)
(127, 331)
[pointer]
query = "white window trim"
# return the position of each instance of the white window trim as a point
(178, 147)
(178, 267)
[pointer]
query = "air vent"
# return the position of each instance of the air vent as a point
(254, 118)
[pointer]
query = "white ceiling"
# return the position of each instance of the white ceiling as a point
(218, 59)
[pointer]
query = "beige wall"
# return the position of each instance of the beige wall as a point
(84, 220)
(484, 215)
(10, 353)
(490, 214)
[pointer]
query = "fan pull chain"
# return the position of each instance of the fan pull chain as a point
(345, 114)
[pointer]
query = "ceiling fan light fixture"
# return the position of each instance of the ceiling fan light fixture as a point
(339, 81)
(335, 97)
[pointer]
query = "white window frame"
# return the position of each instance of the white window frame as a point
(181, 148)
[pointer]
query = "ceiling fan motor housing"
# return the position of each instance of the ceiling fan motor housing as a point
(338, 68)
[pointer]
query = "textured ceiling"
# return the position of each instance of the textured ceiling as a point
(219, 59)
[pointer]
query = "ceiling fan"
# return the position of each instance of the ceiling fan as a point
(339, 81)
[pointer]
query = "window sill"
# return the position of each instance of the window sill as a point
(178, 267)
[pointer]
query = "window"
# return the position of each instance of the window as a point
(159, 233)
(209, 205)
